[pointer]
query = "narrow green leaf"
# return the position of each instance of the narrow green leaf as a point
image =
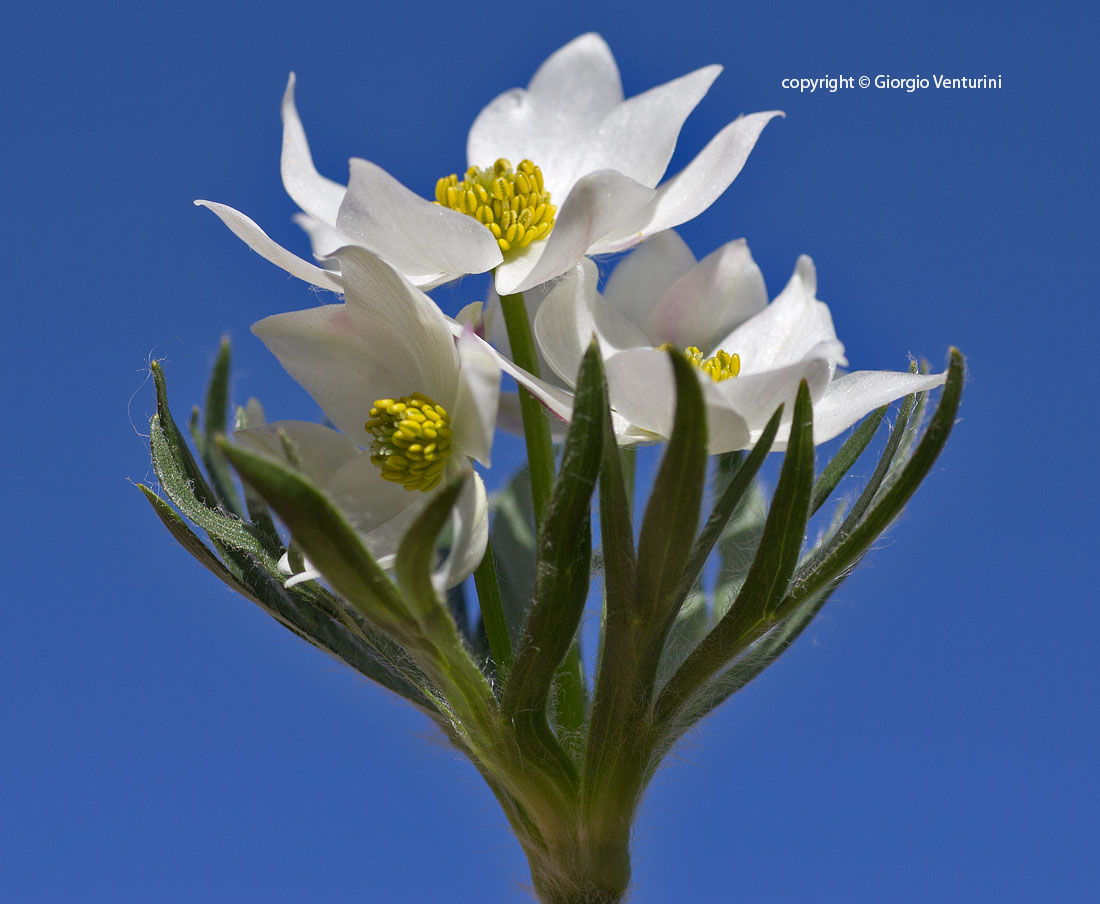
(187, 539)
(733, 494)
(691, 626)
(416, 553)
(378, 659)
(258, 512)
(748, 666)
(562, 572)
(512, 536)
(737, 546)
(492, 614)
(215, 422)
(843, 555)
(672, 513)
(641, 610)
(323, 533)
(616, 664)
(176, 444)
(846, 456)
(769, 576)
(170, 465)
(881, 470)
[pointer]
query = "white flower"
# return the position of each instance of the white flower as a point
(598, 157)
(752, 355)
(413, 402)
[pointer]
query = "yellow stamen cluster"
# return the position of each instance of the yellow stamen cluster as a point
(412, 440)
(511, 204)
(719, 366)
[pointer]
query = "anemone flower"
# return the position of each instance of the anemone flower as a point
(587, 164)
(414, 405)
(751, 355)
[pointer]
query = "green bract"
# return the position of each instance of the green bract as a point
(568, 756)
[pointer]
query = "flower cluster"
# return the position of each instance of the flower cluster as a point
(386, 514)
(587, 182)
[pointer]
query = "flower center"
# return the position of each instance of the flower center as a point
(719, 366)
(511, 204)
(412, 440)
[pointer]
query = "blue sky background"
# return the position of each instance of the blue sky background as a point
(932, 737)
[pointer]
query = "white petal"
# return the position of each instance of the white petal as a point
(558, 402)
(791, 328)
(408, 334)
(470, 535)
(320, 450)
(720, 293)
(388, 340)
(850, 397)
(582, 75)
(427, 242)
(379, 510)
(643, 276)
(323, 239)
(754, 398)
(548, 122)
(260, 242)
(316, 195)
(637, 137)
(595, 206)
(696, 186)
(572, 314)
(641, 388)
(475, 411)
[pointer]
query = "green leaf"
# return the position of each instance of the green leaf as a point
(493, 618)
(324, 535)
(740, 481)
(175, 442)
(841, 556)
(512, 536)
(214, 423)
(374, 656)
(641, 612)
(881, 470)
(561, 575)
(754, 610)
(846, 456)
(258, 512)
(170, 462)
(672, 513)
(416, 554)
(751, 663)
(187, 539)
(737, 547)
